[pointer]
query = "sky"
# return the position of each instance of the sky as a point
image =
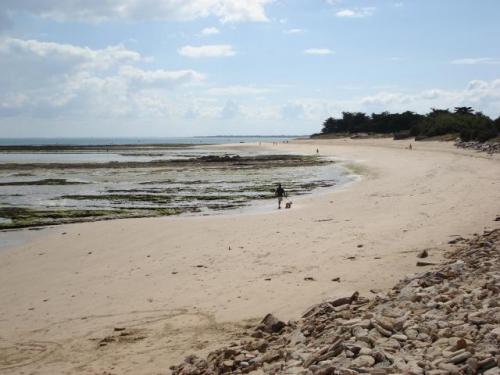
(156, 68)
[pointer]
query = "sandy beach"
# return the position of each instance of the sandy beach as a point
(179, 285)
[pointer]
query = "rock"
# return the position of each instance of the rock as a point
(296, 337)
(496, 332)
(271, 324)
(365, 351)
(228, 365)
(459, 358)
(345, 371)
(450, 368)
(386, 323)
(382, 330)
(460, 344)
(363, 361)
(487, 363)
(379, 356)
(358, 331)
(473, 365)
(443, 321)
(399, 337)
(424, 264)
(345, 300)
(271, 356)
(423, 254)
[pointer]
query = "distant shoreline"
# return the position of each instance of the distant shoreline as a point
(141, 141)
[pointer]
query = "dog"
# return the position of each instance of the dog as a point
(288, 204)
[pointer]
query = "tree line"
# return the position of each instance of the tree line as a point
(469, 124)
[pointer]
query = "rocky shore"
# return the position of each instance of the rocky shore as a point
(444, 321)
(488, 147)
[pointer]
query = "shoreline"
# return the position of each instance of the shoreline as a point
(188, 283)
(441, 321)
(206, 183)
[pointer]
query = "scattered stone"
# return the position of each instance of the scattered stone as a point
(336, 279)
(271, 324)
(488, 147)
(423, 254)
(438, 322)
(363, 361)
(424, 264)
(309, 278)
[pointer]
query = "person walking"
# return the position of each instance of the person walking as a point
(280, 193)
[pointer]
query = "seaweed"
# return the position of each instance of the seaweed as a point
(23, 217)
(47, 181)
(152, 198)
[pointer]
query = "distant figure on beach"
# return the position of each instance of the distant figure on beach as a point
(410, 147)
(280, 193)
(317, 150)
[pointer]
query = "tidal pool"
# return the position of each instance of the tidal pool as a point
(191, 180)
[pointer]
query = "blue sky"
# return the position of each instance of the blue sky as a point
(206, 67)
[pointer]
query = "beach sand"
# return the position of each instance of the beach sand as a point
(180, 285)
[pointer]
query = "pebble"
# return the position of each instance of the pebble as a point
(442, 321)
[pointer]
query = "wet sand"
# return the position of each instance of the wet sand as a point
(179, 285)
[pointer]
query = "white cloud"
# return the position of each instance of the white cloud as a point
(210, 31)
(294, 31)
(50, 79)
(318, 51)
(159, 77)
(67, 53)
(213, 50)
(100, 10)
(482, 95)
(476, 61)
(356, 12)
(237, 91)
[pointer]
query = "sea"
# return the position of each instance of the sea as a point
(207, 140)
(71, 179)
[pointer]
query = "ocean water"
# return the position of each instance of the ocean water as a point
(141, 141)
(190, 188)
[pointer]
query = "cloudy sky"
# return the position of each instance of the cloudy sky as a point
(204, 67)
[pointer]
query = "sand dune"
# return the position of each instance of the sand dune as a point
(134, 296)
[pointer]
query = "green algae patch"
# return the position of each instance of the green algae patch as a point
(120, 198)
(44, 182)
(22, 217)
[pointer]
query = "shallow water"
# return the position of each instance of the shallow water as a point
(190, 189)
